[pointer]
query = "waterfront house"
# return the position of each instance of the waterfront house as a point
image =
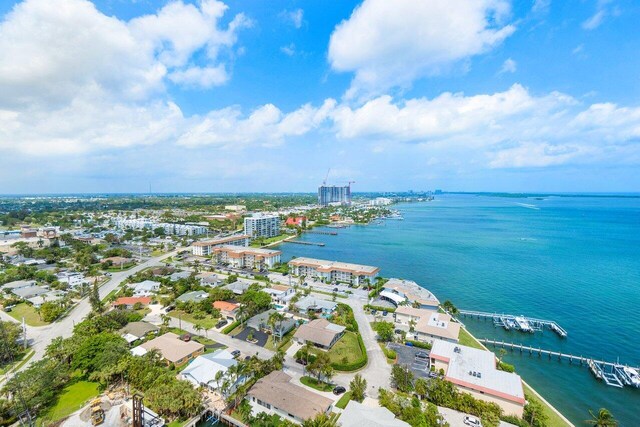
(428, 325)
(399, 291)
(319, 332)
(204, 369)
(475, 372)
(275, 394)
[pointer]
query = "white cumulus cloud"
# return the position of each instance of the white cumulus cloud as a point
(509, 66)
(392, 43)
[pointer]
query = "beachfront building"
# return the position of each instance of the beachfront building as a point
(171, 348)
(262, 225)
(474, 371)
(206, 247)
(428, 325)
(399, 291)
(237, 257)
(333, 271)
(276, 394)
(319, 332)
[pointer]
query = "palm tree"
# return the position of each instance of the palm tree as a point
(604, 418)
(358, 386)
(165, 319)
(321, 420)
(275, 322)
(197, 327)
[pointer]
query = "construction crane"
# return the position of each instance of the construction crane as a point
(326, 177)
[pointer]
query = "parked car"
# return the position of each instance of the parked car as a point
(221, 323)
(302, 362)
(433, 374)
(235, 353)
(339, 390)
(335, 289)
(384, 313)
(472, 421)
(422, 355)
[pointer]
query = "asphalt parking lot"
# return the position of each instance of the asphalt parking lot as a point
(407, 357)
(260, 336)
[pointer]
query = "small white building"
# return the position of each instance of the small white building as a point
(145, 289)
(203, 370)
(71, 278)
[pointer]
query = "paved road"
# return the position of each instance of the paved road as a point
(40, 337)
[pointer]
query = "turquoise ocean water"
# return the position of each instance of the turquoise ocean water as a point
(575, 260)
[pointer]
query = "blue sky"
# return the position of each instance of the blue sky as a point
(483, 95)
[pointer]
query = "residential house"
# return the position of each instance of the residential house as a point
(275, 394)
(260, 322)
(50, 296)
(129, 302)
(137, 330)
(238, 287)
(204, 369)
(428, 325)
(297, 221)
(475, 372)
(311, 303)
(210, 279)
(145, 288)
(71, 278)
(172, 348)
(179, 275)
(117, 261)
(280, 294)
(27, 292)
(319, 332)
(228, 310)
(193, 296)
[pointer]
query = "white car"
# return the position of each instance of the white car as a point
(472, 421)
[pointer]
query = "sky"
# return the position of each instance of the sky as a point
(270, 96)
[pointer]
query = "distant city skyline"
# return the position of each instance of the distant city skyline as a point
(252, 96)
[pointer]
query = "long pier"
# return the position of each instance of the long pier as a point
(520, 323)
(609, 372)
(329, 233)
(297, 242)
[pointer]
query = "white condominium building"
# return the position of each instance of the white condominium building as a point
(205, 247)
(246, 257)
(169, 228)
(262, 225)
(474, 371)
(330, 271)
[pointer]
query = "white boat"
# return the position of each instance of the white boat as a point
(523, 324)
(632, 376)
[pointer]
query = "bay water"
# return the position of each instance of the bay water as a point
(575, 260)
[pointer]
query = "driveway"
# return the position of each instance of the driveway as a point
(407, 356)
(259, 336)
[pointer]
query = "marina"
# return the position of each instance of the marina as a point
(613, 374)
(329, 233)
(518, 323)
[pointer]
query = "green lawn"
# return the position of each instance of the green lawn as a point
(29, 313)
(553, 419)
(20, 360)
(283, 343)
(72, 398)
(313, 383)
(177, 423)
(209, 322)
(347, 346)
(467, 339)
(262, 242)
(342, 403)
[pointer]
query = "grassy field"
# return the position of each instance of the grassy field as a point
(207, 323)
(262, 242)
(342, 403)
(72, 398)
(313, 383)
(468, 340)
(29, 313)
(347, 346)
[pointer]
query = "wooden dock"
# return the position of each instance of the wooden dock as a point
(603, 370)
(509, 321)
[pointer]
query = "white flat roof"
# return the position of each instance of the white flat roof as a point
(476, 369)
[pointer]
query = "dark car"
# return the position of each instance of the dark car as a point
(301, 361)
(339, 390)
(422, 355)
(235, 353)
(221, 323)
(384, 313)
(335, 289)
